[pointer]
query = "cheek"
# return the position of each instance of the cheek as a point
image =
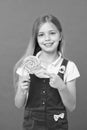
(57, 38)
(40, 40)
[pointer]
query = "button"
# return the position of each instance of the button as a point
(43, 91)
(44, 80)
(43, 102)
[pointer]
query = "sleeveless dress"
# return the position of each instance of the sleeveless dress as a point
(44, 109)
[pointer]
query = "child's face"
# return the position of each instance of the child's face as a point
(48, 37)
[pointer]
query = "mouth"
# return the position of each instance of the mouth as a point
(48, 44)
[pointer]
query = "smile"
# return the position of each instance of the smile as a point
(48, 44)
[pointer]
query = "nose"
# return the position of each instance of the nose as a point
(47, 37)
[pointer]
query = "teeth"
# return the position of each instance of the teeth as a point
(48, 44)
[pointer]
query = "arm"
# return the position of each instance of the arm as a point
(68, 94)
(67, 91)
(22, 92)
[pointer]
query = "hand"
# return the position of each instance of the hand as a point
(56, 82)
(24, 82)
(41, 73)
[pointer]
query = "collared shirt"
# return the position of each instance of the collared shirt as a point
(54, 66)
(71, 72)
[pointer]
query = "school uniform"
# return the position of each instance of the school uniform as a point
(44, 109)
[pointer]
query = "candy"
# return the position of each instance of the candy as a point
(29, 66)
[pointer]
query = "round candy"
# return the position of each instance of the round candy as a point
(31, 64)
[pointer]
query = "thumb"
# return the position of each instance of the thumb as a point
(51, 75)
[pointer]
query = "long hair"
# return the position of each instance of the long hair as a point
(29, 51)
(33, 46)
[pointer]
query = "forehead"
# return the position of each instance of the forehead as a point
(47, 26)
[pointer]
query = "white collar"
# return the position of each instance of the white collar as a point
(53, 63)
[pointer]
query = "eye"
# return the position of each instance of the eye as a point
(52, 33)
(40, 35)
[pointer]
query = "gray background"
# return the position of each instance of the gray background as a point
(16, 21)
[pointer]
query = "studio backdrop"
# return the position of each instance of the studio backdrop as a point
(16, 21)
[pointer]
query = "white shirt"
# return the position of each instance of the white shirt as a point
(71, 72)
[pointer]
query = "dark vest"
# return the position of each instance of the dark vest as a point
(45, 101)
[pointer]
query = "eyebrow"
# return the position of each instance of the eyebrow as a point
(49, 31)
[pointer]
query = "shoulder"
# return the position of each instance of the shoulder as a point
(72, 71)
(71, 65)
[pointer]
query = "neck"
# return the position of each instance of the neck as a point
(49, 57)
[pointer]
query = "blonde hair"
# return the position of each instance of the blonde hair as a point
(29, 51)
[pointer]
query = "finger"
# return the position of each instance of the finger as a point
(39, 71)
(51, 75)
(24, 87)
(51, 84)
(47, 73)
(27, 77)
(26, 81)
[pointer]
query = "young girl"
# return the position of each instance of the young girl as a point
(47, 93)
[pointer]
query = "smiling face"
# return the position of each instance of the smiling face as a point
(48, 37)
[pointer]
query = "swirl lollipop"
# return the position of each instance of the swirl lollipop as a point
(29, 66)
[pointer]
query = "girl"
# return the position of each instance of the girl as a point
(50, 91)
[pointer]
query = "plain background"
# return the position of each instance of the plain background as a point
(16, 21)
